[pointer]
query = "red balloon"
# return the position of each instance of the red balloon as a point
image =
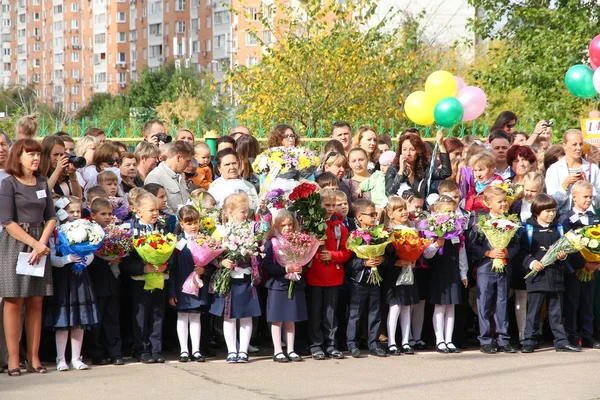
(595, 51)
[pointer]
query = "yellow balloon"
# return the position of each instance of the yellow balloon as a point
(419, 108)
(439, 85)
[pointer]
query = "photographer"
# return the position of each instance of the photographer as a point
(155, 133)
(60, 168)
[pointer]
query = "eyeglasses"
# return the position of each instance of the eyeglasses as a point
(372, 215)
(190, 175)
(510, 125)
(292, 136)
(113, 162)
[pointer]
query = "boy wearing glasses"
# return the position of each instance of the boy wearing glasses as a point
(324, 278)
(361, 292)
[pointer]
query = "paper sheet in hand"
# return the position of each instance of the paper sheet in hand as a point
(24, 268)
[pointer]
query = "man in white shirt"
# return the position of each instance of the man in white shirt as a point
(499, 145)
(168, 175)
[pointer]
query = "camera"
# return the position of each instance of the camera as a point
(549, 123)
(163, 137)
(78, 162)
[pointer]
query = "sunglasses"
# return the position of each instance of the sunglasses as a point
(510, 125)
(329, 155)
(372, 215)
(190, 175)
(112, 162)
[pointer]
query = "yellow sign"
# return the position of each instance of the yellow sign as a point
(591, 130)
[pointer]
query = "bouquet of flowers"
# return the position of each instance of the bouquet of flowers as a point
(154, 248)
(120, 207)
(370, 243)
(590, 240)
(81, 238)
(417, 216)
(442, 225)
(294, 250)
(512, 189)
(208, 215)
(499, 232)
(570, 243)
(117, 244)
(204, 249)
(408, 245)
(290, 162)
(276, 199)
(240, 244)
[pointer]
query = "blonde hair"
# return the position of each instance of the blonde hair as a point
(201, 146)
(280, 217)
(145, 150)
(441, 201)
(134, 195)
(395, 203)
(327, 194)
(337, 159)
(184, 130)
(534, 177)
(145, 197)
(27, 125)
(207, 199)
(84, 144)
(234, 202)
(107, 176)
(493, 191)
(340, 196)
(483, 159)
(581, 185)
(374, 157)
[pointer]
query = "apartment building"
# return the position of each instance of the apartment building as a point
(67, 50)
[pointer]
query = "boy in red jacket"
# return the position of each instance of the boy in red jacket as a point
(324, 278)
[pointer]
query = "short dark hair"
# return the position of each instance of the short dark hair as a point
(13, 163)
(96, 191)
(524, 151)
(99, 204)
(447, 186)
(360, 205)
(95, 132)
(334, 145)
(224, 153)
(181, 148)
(542, 202)
(153, 188)
(327, 179)
(148, 125)
(552, 155)
(341, 124)
(498, 134)
(225, 139)
(411, 194)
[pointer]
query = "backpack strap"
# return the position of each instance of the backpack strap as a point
(337, 230)
(561, 230)
(529, 229)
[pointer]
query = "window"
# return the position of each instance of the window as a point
(208, 45)
(221, 17)
(134, 76)
(167, 28)
(121, 77)
(195, 25)
(219, 41)
(100, 38)
(74, 7)
(7, 52)
(6, 22)
(75, 73)
(121, 58)
(58, 42)
(59, 58)
(121, 17)
(75, 40)
(21, 49)
(166, 6)
(252, 61)
(250, 39)
(134, 56)
(22, 18)
(100, 78)
(133, 35)
(144, 11)
(195, 46)
(100, 18)
(208, 21)
(252, 14)
(156, 8)
(75, 89)
(36, 32)
(36, 78)
(267, 37)
(58, 9)
(145, 53)
(156, 51)
(36, 16)
(121, 37)
(179, 27)
(36, 47)
(7, 66)
(194, 4)
(74, 106)
(156, 29)
(179, 5)
(75, 56)
(74, 24)
(144, 33)
(6, 8)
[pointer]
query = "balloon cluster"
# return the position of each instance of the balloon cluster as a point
(581, 80)
(447, 100)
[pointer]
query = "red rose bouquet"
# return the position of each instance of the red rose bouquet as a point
(306, 203)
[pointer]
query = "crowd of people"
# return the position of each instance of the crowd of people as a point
(364, 179)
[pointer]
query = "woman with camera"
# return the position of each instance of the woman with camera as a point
(60, 168)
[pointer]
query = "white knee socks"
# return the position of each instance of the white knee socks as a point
(405, 323)
(521, 312)
(245, 334)
(195, 331)
(443, 323)
(290, 336)
(449, 323)
(62, 338)
(276, 335)
(182, 331)
(392, 323)
(76, 343)
(417, 318)
(230, 333)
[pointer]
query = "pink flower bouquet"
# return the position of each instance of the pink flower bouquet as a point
(204, 249)
(294, 250)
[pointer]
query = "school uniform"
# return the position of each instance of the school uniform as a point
(361, 293)
(447, 272)
(148, 305)
(281, 308)
(521, 208)
(107, 335)
(404, 295)
(579, 296)
(546, 285)
(343, 303)
(323, 281)
(492, 288)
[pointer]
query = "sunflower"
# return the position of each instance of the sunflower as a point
(208, 223)
(594, 232)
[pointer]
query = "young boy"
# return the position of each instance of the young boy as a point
(548, 283)
(148, 305)
(94, 193)
(324, 278)
(109, 181)
(106, 345)
(342, 208)
(327, 180)
(492, 287)
(204, 171)
(579, 296)
(362, 292)
(484, 173)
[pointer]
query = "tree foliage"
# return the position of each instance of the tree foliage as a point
(333, 61)
(532, 44)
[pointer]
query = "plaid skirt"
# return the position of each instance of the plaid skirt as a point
(21, 286)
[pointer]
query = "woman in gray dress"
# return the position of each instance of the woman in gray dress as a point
(28, 217)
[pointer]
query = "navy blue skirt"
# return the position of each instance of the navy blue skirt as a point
(282, 309)
(243, 301)
(422, 278)
(73, 304)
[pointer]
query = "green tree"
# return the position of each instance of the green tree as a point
(93, 107)
(532, 44)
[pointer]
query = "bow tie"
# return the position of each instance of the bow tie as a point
(582, 214)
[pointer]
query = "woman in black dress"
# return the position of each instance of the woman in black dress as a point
(28, 217)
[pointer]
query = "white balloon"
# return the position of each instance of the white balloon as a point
(596, 80)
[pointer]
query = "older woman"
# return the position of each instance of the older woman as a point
(230, 182)
(128, 171)
(411, 167)
(283, 135)
(55, 165)
(366, 139)
(28, 217)
(521, 160)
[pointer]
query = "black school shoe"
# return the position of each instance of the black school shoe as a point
(118, 361)
(319, 355)
(527, 348)
(507, 348)
(146, 358)
(378, 352)
(335, 354)
(101, 361)
(158, 357)
(569, 348)
(487, 349)
(197, 357)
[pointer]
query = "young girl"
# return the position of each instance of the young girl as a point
(281, 309)
(188, 305)
(533, 184)
(484, 173)
(448, 273)
(401, 298)
(241, 303)
(73, 306)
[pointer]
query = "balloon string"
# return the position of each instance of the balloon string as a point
(432, 165)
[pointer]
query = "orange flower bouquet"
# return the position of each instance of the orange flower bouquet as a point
(409, 246)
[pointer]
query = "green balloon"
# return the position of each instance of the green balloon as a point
(580, 81)
(448, 112)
